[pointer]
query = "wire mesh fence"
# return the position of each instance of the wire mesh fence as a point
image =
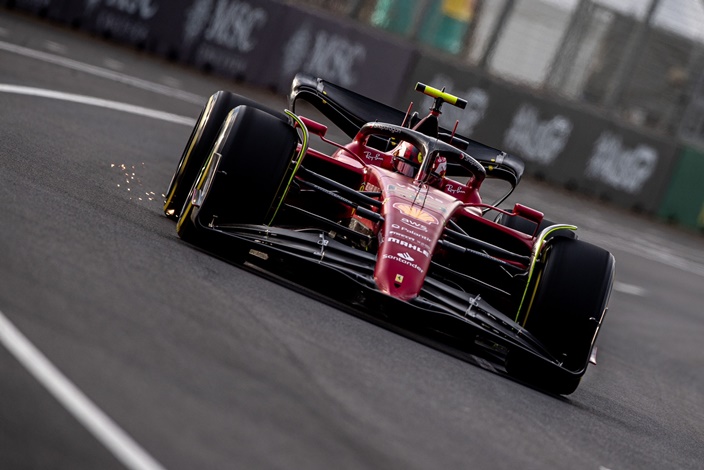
(641, 61)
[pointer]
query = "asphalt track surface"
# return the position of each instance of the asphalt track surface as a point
(205, 365)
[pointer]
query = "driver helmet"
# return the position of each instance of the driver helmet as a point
(407, 159)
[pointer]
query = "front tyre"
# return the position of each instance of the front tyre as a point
(567, 308)
(243, 173)
(199, 145)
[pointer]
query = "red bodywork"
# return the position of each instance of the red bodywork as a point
(415, 213)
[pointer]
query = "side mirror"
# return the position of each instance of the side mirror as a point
(314, 127)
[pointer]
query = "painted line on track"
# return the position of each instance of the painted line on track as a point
(117, 441)
(104, 73)
(99, 102)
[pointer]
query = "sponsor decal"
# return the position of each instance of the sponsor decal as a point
(413, 193)
(412, 232)
(410, 236)
(456, 190)
(620, 167)
(410, 246)
(392, 129)
(414, 224)
(405, 256)
(538, 141)
(374, 157)
(323, 54)
(404, 261)
(415, 213)
(372, 188)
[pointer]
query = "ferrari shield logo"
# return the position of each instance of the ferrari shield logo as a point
(399, 278)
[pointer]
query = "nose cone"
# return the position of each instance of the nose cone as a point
(410, 234)
(399, 273)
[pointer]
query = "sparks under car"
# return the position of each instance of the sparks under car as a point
(391, 225)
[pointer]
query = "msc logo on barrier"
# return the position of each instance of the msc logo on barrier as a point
(230, 24)
(536, 140)
(323, 54)
(620, 167)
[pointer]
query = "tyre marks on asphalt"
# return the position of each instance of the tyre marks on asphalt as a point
(629, 289)
(113, 64)
(55, 47)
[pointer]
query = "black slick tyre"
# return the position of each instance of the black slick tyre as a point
(199, 145)
(566, 311)
(242, 175)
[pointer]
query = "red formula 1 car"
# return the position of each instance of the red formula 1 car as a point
(391, 226)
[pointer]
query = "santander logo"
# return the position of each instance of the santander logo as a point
(406, 256)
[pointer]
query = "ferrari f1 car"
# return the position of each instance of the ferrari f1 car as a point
(392, 226)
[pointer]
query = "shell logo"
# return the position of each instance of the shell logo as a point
(415, 213)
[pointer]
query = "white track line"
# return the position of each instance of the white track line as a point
(117, 441)
(116, 105)
(104, 73)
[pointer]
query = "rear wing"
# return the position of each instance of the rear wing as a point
(350, 111)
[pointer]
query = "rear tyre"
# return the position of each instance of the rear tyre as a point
(566, 311)
(199, 145)
(243, 173)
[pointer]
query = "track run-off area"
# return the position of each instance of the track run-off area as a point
(123, 347)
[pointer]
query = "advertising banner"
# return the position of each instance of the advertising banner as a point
(233, 38)
(339, 50)
(140, 23)
(560, 142)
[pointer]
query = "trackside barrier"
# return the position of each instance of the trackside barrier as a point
(265, 43)
(261, 42)
(684, 200)
(347, 53)
(561, 142)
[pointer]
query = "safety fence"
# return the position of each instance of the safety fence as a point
(566, 141)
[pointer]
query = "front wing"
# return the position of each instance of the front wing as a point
(442, 316)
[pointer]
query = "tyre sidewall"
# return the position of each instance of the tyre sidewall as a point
(256, 150)
(570, 299)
